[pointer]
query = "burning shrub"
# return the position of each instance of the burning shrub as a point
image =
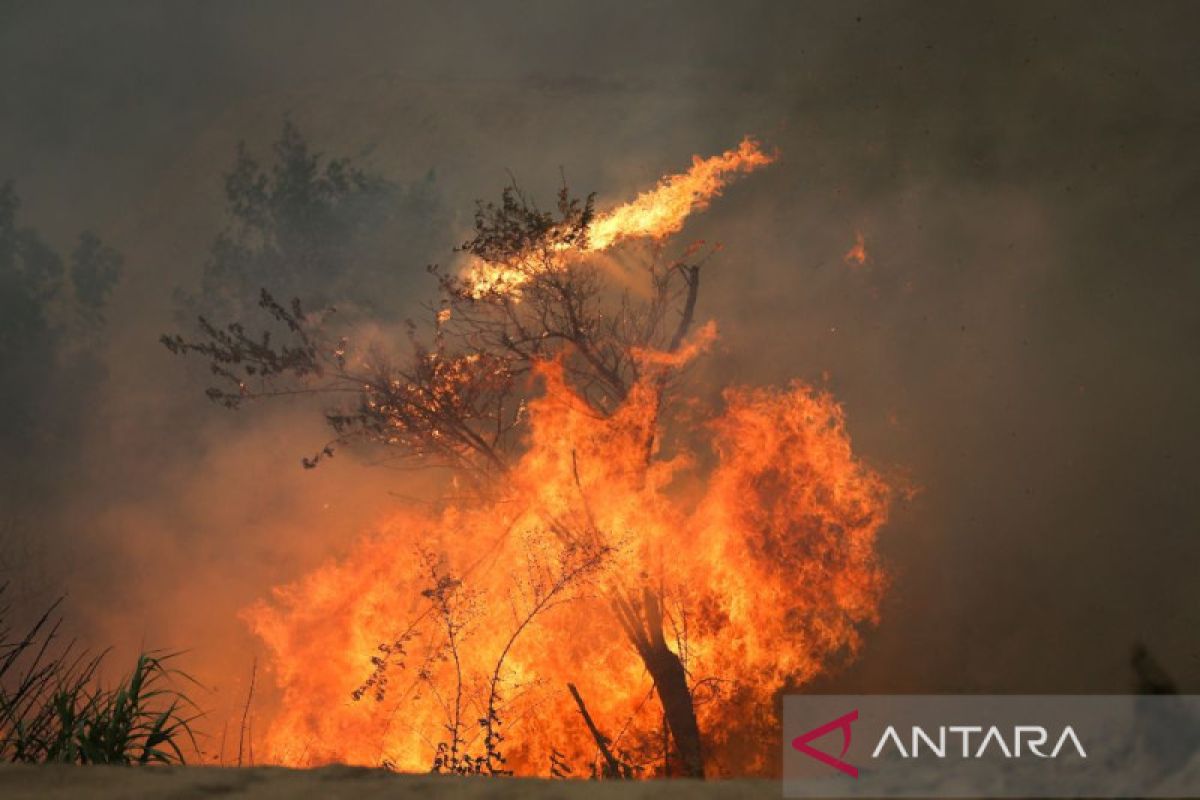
(675, 575)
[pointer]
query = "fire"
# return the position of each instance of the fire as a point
(455, 633)
(654, 214)
(856, 256)
(767, 561)
(662, 210)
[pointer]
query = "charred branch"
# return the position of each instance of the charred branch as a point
(613, 768)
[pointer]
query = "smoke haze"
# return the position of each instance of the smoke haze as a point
(1020, 343)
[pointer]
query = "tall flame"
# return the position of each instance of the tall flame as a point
(764, 549)
(752, 519)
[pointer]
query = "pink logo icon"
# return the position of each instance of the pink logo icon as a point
(801, 743)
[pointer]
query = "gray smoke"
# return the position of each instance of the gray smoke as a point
(1021, 343)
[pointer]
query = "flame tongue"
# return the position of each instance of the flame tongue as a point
(663, 210)
(655, 214)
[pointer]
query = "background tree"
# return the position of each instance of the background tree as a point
(52, 334)
(313, 226)
(51, 315)
(95, 270)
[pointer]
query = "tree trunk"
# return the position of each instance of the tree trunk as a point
(643, 624)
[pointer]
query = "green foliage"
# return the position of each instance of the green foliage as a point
(52, 709)
(140, 722)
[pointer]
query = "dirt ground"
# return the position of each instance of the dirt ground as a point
(333, 783)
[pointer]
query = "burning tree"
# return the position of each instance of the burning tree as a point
(611, 530)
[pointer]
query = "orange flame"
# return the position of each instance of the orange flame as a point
(856, 256)
(654, 214)
(663, 210)
(758, 526)
(752, 520)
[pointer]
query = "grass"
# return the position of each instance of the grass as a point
(54, 710)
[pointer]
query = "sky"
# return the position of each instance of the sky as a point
(1020, 347)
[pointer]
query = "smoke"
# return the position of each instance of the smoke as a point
(1020, 343)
